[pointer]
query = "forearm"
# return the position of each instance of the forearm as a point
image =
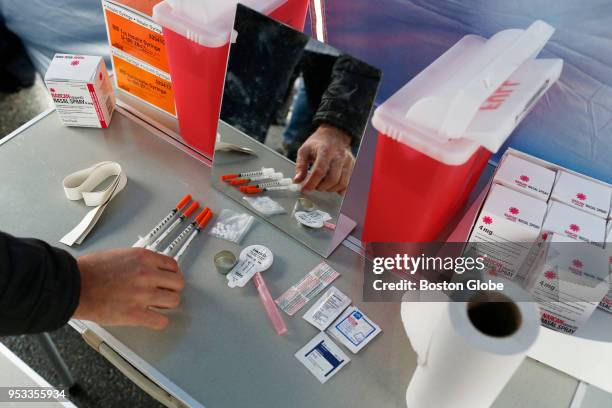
(347, 102)
(39, 286)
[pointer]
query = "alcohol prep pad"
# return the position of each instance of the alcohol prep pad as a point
(327, 308)
(354, 329)
(322, 357)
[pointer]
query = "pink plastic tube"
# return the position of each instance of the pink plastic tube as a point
(269, 305)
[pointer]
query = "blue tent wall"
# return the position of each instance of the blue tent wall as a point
(571, 125)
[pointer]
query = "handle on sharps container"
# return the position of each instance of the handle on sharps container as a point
(455, 103)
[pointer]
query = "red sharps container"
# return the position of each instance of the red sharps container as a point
(197, 37)
(437, 133)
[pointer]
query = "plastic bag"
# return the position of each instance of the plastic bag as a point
(232, 226)
(265, 205)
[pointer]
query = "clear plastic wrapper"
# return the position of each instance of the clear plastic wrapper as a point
(265, 205)
(232, 226)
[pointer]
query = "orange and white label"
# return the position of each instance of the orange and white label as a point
(136, 36)
(135, 79)
(143, 6)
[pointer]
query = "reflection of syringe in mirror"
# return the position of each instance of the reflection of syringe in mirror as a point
(275, 183)
(265, 171)
(257, 190)
(243, 180)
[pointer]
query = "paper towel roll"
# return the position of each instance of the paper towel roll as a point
(468, 350)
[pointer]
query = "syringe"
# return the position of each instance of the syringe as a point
(194, 206)
(276, 183)
(189, 234)
(257, 190)
(240, 181)
(263, 172)
(146, 240)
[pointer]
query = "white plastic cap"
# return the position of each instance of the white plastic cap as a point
(285, 182)
(446, 113)
(276, 176)
(295, 187)
(266, 171)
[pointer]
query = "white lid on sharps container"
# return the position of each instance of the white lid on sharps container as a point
(474, 95)
(206, 22)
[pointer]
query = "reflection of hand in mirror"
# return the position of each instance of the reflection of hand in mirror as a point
(328, 150)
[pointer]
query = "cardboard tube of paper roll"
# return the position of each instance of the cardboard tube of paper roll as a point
(468, 350)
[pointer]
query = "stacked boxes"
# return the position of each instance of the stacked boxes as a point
(508, 226)
(526, 177)
(606, 302)
(568, 281)
(545, 227)
(583, 194)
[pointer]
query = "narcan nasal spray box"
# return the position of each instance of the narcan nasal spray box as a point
(582, 193)
(525, 176)
(81, 90)
(568, 280)
(575, 224)
(606, 302)
(506, 230)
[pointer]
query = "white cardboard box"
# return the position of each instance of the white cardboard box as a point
(511, 219)
(573, 223)
(525, 176)
(582, 193)
(568, 280)
(81, 90)
(606, 302)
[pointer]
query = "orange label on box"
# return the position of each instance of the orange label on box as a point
(144, 85)
(136, 36)
(144, 6)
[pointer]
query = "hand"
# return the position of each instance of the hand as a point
(328, 149)
(119, 287)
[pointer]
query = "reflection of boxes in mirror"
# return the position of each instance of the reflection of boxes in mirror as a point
(584, 232)
(81, 90)
(138, 52)
(197, 36)
(437, 133)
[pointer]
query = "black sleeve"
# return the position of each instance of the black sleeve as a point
(39, 286)
(348, 100)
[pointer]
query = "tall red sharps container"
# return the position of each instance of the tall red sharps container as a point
(437, 133)
(197, 35)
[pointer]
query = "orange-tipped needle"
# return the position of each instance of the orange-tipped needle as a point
(230, 176)
(240, 181)
(202, 214)
(194, 206)
(252, 190)
(190, 232)
(147, 239)
(183, 202)
(204, 221)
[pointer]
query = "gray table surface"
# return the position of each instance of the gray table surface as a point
(219, 348)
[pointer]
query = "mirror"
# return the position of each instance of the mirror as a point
(298, 109)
